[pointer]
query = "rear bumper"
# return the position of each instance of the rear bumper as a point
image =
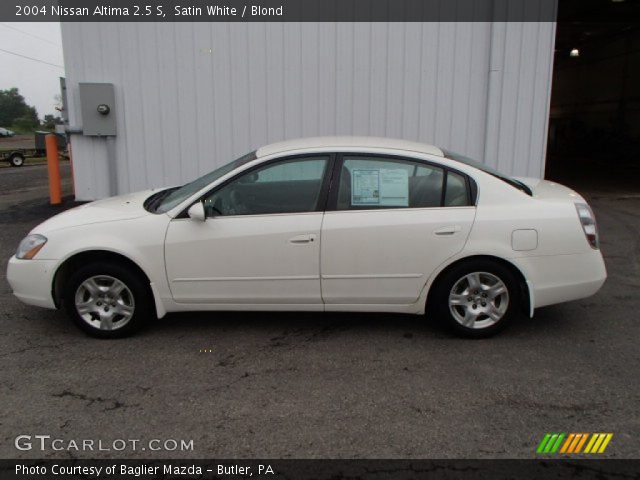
(32, 280)
(561, 278)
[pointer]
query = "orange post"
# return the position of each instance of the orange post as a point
(53, 166)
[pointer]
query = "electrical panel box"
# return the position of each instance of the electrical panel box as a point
(98, 107)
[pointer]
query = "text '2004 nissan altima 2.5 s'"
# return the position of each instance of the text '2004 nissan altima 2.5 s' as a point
(322, 224)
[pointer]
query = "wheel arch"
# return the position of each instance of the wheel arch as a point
(64, 270)
(525, 287)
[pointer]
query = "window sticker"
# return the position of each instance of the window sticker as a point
(394, 187)
(365, 187)
(387, 187)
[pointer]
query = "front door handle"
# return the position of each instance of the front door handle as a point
(448, 230)
(303, 239)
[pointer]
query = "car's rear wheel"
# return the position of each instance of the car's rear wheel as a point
(477, 298)
(107, 300)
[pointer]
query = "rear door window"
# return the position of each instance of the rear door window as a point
(377, 182)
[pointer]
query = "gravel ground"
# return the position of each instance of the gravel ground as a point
(17, 141)
(324, 385)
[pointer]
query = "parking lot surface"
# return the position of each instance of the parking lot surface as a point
(301, 385)
(17, 142)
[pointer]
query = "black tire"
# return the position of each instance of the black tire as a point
(138, 288)
(439, 301)
(16, 159)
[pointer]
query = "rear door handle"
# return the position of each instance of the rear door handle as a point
(303, 239)
(448, 230)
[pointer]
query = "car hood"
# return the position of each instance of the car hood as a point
(122, 207)
(547, 190)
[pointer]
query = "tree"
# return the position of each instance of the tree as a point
(50, 121)
(15, 111)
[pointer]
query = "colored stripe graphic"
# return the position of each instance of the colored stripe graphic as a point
(591, 446)
(596, 446)
(577, 437)
(594, 437)
(573, 443)
(581, 443)
(543, 443)
(605, 442)
(556, 445)
(567, 443)
(550, 443)
(598, 442)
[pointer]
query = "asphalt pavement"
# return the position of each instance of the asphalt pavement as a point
(300, 385)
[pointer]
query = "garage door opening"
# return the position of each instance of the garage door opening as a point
(594, 127)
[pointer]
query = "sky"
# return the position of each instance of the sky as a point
(38, 82)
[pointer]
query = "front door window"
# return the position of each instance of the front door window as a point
(291, 186)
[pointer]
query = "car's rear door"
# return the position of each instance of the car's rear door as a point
(260, 243)
(389, 223)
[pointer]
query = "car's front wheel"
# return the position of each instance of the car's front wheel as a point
(477, 298)
(107, 300)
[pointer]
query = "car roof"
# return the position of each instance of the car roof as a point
(348, 142)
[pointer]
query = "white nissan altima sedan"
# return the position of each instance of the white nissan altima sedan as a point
(349, 224)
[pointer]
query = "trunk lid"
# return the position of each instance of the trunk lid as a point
(547, 190)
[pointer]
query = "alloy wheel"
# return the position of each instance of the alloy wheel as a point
(478, 300)
(104, 302)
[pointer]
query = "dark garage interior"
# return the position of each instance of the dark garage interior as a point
(594, 127)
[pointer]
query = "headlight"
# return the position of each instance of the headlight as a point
(30, 245)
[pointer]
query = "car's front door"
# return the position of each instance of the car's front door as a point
(260, 243)
(390, 222)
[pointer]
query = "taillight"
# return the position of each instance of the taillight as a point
(588, 221)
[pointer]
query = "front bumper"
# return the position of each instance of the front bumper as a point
(562, 278)
(32, 281)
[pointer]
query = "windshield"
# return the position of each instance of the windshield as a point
(178, 195)
(487, 169)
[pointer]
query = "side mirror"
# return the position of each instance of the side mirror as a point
(196, 212)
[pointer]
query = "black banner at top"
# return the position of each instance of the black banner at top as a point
(319, 10)
(315, 10)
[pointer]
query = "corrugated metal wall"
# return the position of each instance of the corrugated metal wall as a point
(191, 97)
